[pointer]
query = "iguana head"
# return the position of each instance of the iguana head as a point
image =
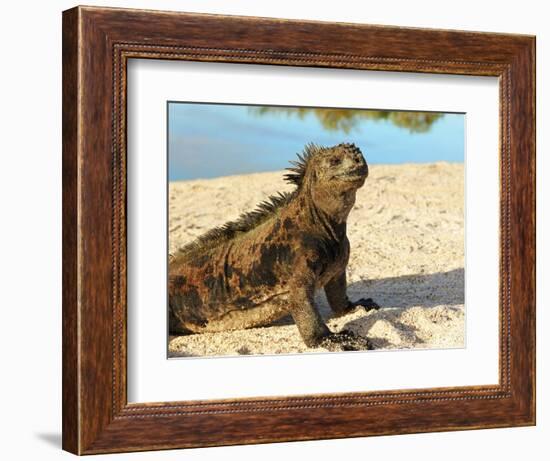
(331, 176)
(340, 167)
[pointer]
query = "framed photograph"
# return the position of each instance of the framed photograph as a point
(282, 230)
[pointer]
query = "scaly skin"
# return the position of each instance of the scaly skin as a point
(269, 262)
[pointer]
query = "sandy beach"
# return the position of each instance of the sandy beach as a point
(407, 254)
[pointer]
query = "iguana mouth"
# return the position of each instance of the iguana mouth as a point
(354, 175)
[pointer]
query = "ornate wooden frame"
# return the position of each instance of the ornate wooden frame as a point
(97, 43)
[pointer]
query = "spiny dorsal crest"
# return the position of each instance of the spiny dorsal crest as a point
(305, 159)
(247, 221)
(300, 167)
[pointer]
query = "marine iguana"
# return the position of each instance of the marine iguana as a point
(269, 262)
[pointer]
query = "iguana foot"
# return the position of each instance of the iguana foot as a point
(345, 340)
(364, 303)
(367, 303)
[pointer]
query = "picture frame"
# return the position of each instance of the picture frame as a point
(97, 44)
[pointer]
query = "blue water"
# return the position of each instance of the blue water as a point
(211, 140)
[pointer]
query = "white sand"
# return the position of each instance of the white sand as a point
(407, 253)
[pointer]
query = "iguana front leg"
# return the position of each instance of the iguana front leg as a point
(310, 324)
(338, 300)
(313, 330)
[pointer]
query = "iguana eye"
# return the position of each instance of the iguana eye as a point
(335, 161)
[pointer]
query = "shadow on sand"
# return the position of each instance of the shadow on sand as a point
(425, 290)
(399, 293)
(422, 290)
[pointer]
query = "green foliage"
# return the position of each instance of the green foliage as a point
(347, 120)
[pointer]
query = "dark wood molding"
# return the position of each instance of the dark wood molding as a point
(97, 42)
(70, 382)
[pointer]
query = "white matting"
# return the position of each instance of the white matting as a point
(152, 377)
